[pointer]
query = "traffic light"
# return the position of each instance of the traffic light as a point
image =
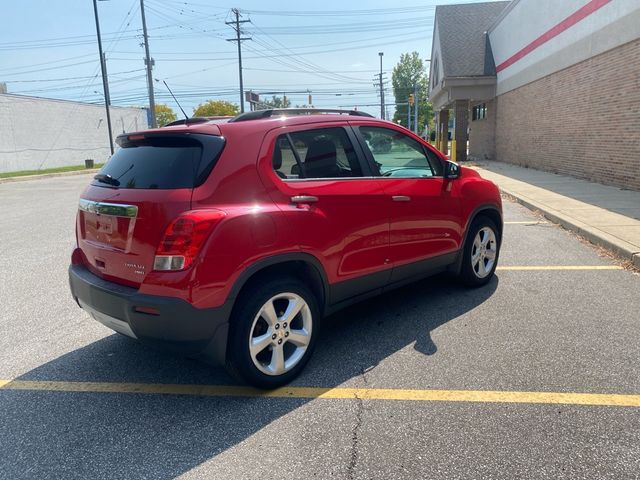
(411, 99)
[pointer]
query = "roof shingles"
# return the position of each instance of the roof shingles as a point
(464, 46)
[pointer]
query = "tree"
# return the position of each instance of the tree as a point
(215, 108)
(410, 71)
(275, 102)
(164, 114)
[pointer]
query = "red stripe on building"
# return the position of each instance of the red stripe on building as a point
(568, 22)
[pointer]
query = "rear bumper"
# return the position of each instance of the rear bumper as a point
(179, 326)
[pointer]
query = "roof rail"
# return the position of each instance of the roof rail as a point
(258, 114)
(188, 121)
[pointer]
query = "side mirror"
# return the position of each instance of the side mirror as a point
(451, 170)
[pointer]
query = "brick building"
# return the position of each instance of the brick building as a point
(547, 84)
(37, 133)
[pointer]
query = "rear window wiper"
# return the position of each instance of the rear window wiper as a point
(106, 178)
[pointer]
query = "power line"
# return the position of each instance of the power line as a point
(261, 54)
(320, 13)
(48, 63)
(123, 26)
(48, 68)
(343, 13)
(76, 87)
(71, 78)
(315, 67)
(347, 28)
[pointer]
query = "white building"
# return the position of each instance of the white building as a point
(38, 133)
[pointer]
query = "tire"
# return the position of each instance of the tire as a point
(283, 343)
(481, 252)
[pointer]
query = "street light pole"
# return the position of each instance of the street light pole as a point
(415, 109)
(381, 88)
(105, 82)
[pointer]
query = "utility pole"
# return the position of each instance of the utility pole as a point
(382, 109)
(409, 114)
(415, 109)
(105, 82)
(148, 61)
(239, 38)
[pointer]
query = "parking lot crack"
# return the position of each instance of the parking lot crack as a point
(355, 440)
(353, 461)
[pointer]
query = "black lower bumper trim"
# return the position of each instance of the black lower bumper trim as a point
(179, 326)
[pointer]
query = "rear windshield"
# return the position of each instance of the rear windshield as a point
(160, 163)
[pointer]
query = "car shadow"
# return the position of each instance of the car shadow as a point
(47, 434)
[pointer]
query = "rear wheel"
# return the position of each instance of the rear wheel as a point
(273, 332)
(481, 251)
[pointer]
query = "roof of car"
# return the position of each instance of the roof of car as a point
(215, 125)
(282, 119)
(273, 112)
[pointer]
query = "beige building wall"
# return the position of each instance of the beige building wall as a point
(582, 121)
(482, 133)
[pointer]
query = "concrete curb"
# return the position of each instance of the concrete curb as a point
(593, 234)
(48, 175)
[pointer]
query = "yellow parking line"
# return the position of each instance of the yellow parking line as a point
(560, 267)
(475, 396)
(530, 222)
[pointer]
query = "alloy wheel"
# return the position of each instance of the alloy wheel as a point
(280, 333)
(484, 252)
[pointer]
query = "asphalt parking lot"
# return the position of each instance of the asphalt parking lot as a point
(533, 376)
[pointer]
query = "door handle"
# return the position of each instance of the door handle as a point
(304, 199)
(401, 198)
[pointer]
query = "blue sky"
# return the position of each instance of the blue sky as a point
(49, 50)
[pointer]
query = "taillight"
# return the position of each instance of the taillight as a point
(183, 239)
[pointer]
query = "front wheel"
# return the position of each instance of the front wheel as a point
(273, 332)
(481, 251)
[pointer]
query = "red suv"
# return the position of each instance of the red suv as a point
(229, 240)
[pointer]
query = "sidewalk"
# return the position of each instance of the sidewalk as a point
(604, 215)
(48, 175)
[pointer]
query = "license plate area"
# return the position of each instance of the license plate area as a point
(107, 225)
(104, 225)
(115, 233)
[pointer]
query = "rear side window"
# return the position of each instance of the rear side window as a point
(317, 153)
(160, 163)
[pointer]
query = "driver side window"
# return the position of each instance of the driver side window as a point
(398, 155)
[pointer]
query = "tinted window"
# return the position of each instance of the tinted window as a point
(161, 163)
(284, 160)
(398, 155)
(319, 153)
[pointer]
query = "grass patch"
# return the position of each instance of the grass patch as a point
(24, 173)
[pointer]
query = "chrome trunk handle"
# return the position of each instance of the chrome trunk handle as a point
(112, 209)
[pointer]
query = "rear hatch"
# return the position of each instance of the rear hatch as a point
(149, 181)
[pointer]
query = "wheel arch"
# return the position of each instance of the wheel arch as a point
(304, 266)
(490, 210)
